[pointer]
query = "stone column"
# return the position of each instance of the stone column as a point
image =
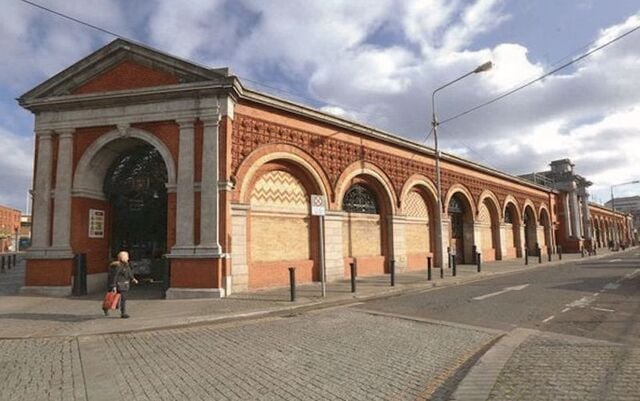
(575, 214)
(42, 193)
(442, 245)
(185, 189)
(504, 227)
(61, 239)
(333, 256)
(239, 248)
(209, 199)
(586, 215)
(398, 241)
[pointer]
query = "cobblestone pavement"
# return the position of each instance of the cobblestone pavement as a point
(544, 368)
(40, 369)
(337, 354)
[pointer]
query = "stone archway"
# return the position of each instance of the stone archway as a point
(530, 230)
(488, 228)
(545, 222)
(513, 238)
(461, 227)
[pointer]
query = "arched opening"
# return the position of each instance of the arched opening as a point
(281, 232)
(135, 187)
(460, 228)
(530, 231)
(545, 222)
(488, 226)
(364, 229)
(512, 231)
(419, 227)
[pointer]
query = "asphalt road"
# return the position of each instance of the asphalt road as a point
(593, 298)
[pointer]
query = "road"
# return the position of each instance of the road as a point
(581, 322)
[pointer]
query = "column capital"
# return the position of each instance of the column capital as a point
(65, 133)
(185, 122)
(210, 119)
(44, 133)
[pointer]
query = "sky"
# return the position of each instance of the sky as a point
(377, 62)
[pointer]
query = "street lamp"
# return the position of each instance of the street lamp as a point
(613, 203)
(434, 124)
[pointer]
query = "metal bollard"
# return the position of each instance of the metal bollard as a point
(292, 283)
(441, 271)
(526, 256)
(392, 272)
(428, 268)
(352, 265)
(14, 259)
(539, 255)
(2, 263)
(582, 252)
(454, 266)
(549, 253)
(449, 257)
(595, 252)
(559, 252)
(479, 261)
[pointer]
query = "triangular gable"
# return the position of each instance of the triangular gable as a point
(122, 65)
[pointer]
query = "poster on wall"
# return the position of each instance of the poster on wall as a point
(96, 223)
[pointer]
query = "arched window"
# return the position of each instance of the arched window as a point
(455, 205)
(359, 199)
(508, 216)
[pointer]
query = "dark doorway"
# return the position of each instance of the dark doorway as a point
(457, 211)
(136, 187)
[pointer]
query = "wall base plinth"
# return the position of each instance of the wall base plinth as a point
(58, 291)
(195, 293)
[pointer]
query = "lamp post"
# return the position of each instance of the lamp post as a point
(434, 124)
(613, 207)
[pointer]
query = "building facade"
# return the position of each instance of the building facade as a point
(9, 227)
(170, 160)
(631, 205)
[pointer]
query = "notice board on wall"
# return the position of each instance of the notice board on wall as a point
(96, 223)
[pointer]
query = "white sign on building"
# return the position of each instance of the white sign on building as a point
(318, 207)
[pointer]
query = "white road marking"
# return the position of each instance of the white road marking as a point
(602, 309)
(615, 260)
(595, 294)
(611, 286)
(547, 319)
(565, 310)
(580, 303)
(493, 294)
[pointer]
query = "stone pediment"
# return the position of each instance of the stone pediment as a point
(118, 66)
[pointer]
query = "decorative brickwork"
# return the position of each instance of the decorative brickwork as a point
(414, 205)
(280, 190)
(335, 156)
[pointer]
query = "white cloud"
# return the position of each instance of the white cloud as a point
(16, 166)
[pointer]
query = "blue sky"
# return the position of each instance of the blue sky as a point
(375, 61)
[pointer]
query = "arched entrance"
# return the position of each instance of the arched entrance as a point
(461, 227)
(364, 230)
(419, 210)
(545, 222)
(488, 227)
(530, 231)
(512, 231)
(135, 186)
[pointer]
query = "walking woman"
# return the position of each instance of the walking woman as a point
(120, 278)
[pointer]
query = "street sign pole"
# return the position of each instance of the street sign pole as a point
(318, 209)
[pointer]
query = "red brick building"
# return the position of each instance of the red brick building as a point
(9, 225)
(139, 150)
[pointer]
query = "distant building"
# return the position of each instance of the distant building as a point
(25, 231)
(9, 227)
(631, 205)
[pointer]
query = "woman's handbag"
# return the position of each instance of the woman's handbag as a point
(111, 300)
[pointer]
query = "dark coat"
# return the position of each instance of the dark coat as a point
(120, 276)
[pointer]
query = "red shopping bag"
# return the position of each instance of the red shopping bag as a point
(111, 300)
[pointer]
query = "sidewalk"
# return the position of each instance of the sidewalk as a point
(36, 316)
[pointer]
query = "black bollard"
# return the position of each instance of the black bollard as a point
(392, 271)
(14, 259)
(2, 263)
(582, 252)
(539, 255)
(526, 256)
(428, 268)
(449, 257)
(559, 252)
(352, 265)
(474, 252)
(453, 259)
(595, 252)
(549, 253)
(292, 283)
(441, 271)
(479, 261)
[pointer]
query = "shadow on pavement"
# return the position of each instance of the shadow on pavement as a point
(56, 317)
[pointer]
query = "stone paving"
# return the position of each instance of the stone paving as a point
(337, 354)
(552, 368)
(41, 369)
